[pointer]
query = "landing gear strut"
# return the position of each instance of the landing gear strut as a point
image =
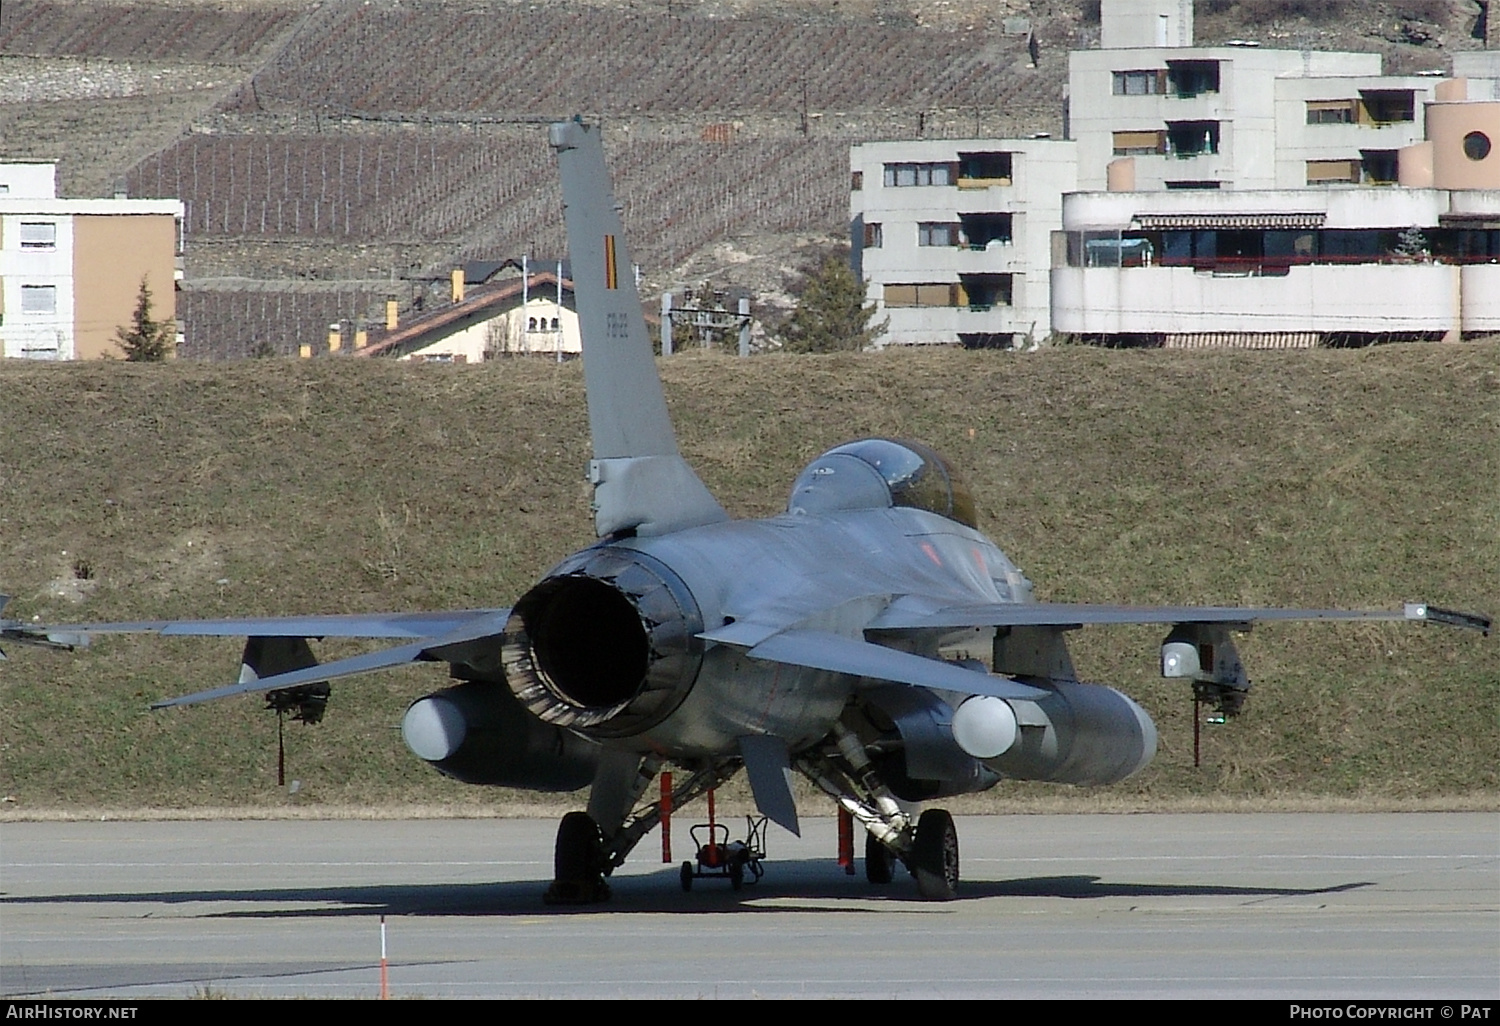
(880, 861)
(578, 863)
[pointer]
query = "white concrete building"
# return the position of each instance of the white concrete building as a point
(1278, 268)
(71, 269)
(1227, 195)
(1178, 116)
(953, 236)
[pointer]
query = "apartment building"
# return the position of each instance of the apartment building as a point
(1278, 268)
(1231, 195)
(952, 236)
(71, 269)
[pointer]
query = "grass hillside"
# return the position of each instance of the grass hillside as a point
(1357, 478)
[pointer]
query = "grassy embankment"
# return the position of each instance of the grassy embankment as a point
(1339, 478)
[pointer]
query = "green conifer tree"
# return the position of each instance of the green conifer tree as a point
(831, 314)
(146, 340)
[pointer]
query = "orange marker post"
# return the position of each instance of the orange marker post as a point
(385, 980)
(846, 840)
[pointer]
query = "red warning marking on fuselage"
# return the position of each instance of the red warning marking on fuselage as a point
(932, 553)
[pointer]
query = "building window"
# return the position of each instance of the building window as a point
(980, 292)
(38, 235)
(1195, 185)
(1186, 79)
(1140, 83)
(1387, 106)
(39, 299)
(1332, 112)
(1139, 144)
(1332, 172)
(937, 234)
(982, 170)
(980, 231)
(1476, 146)
(935, 294)
(856, 181)
(938, 173)
(874, 237)
(1377, 167)
(1192, 138)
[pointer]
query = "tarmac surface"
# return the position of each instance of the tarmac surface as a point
(1286, 906)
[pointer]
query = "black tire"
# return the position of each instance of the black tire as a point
(880, 861)
(577, 863)
(934, 856)
(579, 854)
(737, 875)
(686, 876)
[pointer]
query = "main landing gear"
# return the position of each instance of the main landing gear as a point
(577, 863)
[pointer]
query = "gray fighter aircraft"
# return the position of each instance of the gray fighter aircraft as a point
(810, 641)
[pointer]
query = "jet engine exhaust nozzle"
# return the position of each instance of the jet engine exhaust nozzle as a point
(605, 645)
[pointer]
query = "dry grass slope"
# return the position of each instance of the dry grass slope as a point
(1344, 478)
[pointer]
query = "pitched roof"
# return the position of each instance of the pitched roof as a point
(480, 305)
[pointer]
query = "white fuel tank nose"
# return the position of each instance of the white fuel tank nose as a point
(985, 727)
(433, 728)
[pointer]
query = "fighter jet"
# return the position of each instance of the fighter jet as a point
(810, 642)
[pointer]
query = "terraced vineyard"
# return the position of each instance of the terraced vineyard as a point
(232, 323)
(554, 60)
(495, 195)
(140, 31)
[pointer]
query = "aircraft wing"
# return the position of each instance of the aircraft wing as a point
(904, 616)
(436, 633)
(349, 625)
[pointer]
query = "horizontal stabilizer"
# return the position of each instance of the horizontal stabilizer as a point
(1063, 614)
(821, 650)
(487, 625)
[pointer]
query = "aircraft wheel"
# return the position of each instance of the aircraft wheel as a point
(880, 861)
(935, 856)
(577, 863)
(686, 876)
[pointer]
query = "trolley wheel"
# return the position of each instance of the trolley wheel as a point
(737, 875)
(686, 876)
(935, 856)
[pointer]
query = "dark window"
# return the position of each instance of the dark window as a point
(1388, 106)
(1192, 138)
(1194, 185)
(873, 235)
(856, 181)
(1476, 146)
(989, 167)
(1187, 79)
(982, 230)
(983, 291)
(1377, 167)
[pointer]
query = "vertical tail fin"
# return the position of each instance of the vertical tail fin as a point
(641, 482)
